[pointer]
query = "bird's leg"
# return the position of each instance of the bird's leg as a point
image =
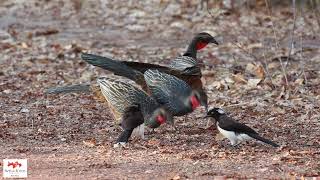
(123, 138)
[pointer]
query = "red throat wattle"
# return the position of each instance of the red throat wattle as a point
(201, 45)
(195, 102)
(161, 119)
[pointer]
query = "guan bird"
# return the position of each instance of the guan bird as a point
(132, 107)
(185, 67)
(170, 96)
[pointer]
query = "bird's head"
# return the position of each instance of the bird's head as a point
(215, 113)
(160, 116)
(203, 39)
(193, 101)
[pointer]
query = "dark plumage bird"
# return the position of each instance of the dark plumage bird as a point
(187, 63)
(185, 67)
(132, 107)
(164, 87)
(233, 130)
(172, 92)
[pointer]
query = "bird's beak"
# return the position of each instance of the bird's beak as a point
(214, 41)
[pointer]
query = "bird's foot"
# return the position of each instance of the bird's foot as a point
(120, 145)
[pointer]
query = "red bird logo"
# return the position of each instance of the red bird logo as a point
(14, 164)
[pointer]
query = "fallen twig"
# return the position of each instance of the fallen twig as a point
(277, 43)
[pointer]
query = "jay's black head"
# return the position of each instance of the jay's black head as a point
(216, 113)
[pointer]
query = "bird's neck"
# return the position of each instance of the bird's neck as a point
(192, 49)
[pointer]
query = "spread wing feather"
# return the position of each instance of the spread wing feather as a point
(119, 94)
(186, 65)
(168, 90)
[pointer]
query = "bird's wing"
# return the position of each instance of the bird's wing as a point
(167, 89)
(231, 125)
(143, 67)
(184, 73)
(186, 65)
(119, 94)
(117, 67)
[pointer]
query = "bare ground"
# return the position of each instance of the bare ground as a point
(71, 136)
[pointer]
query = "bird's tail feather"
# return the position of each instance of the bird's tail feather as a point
(115, 66)
(257, 137)
(69, 89)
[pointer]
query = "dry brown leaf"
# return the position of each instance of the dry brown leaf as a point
(260, 72)
(228, 80)
(273, 65)
(153, 142)
(250, 68)
(216, 84)
(278, 110)
(256, 70)
(254, 45)
(299, 81)
(239, 78)
(176, 177)
(24, 45)
(90, 142)
(253, 82)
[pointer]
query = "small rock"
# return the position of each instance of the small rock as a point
(176, 177)
(7, 91)
(136, 28)
(148, 171)
(25, 110)
(138, 13)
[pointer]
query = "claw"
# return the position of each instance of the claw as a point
(120, 145)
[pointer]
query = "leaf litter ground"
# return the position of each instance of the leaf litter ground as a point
(71, 136)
